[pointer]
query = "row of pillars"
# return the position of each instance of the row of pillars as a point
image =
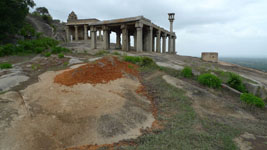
(144, 40)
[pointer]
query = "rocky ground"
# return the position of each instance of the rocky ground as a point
(172, 112)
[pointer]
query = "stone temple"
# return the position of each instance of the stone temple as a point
(147, 37)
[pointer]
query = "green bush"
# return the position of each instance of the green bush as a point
(146, 61)
(209, 80)
(142, 61)
(60, 55)
(36, 46)
(235, 81)
(47, 54)
(187, 72)
(7, 49)
(27, 31)
(252, 100)
(132, 59)
(5, 65)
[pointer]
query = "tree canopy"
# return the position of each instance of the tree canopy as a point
(12, 16)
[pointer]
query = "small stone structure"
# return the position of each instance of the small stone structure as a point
(210, 56)
(147, 36)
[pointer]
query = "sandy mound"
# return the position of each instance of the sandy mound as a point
(59, 116)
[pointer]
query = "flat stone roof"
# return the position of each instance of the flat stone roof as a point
(96, 22)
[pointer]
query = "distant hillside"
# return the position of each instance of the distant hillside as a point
(255, 63)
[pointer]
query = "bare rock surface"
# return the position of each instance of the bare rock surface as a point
(52, 116)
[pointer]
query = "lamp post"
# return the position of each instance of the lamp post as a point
(171, 18)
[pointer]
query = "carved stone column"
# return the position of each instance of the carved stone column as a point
(139, 36)
(67, 34)
(118, 40)
(76, 33)
(164, 35)
(85, 32)
(158, 41)
(174, 49)
(125, 38)
(105, 37)
(93, 37)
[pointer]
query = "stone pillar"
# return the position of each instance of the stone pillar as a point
(67, 34)
(85, 32)
(125, 38)
(150, 39)
(139, 36)
(76, 33)
(118, 40)
(105, 37)
(164, 42)
(153, 43)
(109, 39)
(129, 41)
(93, 37)
(135, 40)
(174, 50)
(158, 42)
(171, 44)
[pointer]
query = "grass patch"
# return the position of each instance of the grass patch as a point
(36, 66)
(5, 65)
(61, 55)
(141, 61)
(116, 53)
(101, 53)
(47, 54)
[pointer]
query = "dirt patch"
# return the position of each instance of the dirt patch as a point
(248, 141)
(102, 71)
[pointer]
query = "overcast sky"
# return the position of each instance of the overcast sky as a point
(230, 27)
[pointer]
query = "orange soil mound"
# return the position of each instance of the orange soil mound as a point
(102, 71)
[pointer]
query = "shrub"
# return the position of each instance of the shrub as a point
(187, 72)
(29, 46)
(7, 49)
(60, 55)
(235, 81)
(146, 61)
(5, 65)
(47, 54)
(132, 59)
(252, 100)
(209, 80)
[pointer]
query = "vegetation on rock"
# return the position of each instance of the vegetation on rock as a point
(235, 81)
(187, 72)
(5, 65)
(252, 100)
(210, 80)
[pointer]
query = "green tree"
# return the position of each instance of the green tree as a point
(42, 11)
(44, 14)
(12, 15)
